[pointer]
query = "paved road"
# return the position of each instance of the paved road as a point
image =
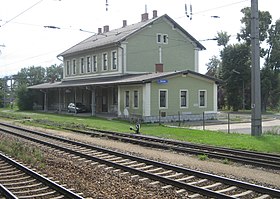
(271, 125)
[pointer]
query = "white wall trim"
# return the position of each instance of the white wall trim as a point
(215, 97)
(119, 101)
(196, 60)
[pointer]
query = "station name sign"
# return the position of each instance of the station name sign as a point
(162, 81)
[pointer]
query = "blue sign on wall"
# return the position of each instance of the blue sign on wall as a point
(162, 81)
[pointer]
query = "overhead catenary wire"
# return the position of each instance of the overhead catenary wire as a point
(83, 30)
(22, 12)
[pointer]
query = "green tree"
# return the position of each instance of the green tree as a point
(2, 91)
(31, 76)
(213, 67)
(235, 73)
(54, 73)
(265, 20)
(270, 78)
(222, 38)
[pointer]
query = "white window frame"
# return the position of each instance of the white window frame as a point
(187, 98)
(94, 63)
(136, 91)
(162, 38)
(159, 38)
(74, 66)
(88, 64)
(126, 100)
(105, 61)
(165, 38)
(68, 66)
(205, 98)
(82, 65)
(114, 60)
(166, 100)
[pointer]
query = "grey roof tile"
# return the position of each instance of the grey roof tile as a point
(118, 80)
(117, 35)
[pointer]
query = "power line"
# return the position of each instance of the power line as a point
(223, 6)
(22, 12)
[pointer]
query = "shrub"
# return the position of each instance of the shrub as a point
(24, 98)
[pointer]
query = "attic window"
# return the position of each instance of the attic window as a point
(162, 38)
(159, 38)
(165, 39)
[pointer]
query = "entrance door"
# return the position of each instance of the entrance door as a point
(104, 100)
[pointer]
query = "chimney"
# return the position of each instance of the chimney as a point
(124, 23)
(145, 17)
(158, 68)
(99, 31)
(105, 29)
(155, 14)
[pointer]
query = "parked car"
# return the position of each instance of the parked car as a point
(76, 108)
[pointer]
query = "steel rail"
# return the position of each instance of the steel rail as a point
(248, 186)
(53, 185)
(266, 160)
(6, 193)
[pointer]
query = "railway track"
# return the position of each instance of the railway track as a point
(195, 183)
(18, 181)
(265, 160)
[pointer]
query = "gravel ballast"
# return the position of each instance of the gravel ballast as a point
(97, 182)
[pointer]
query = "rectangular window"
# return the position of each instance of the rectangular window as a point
(159, 38)
(136, 99)
(202, 98)
(114, 60)
(94, 63)
(67, 67)
(82, 65)
(165, 39)
(162, 38)
(74, 67)
(163, 99)
(184, 98)
(126, 99)
(88, 64)
(105, 61)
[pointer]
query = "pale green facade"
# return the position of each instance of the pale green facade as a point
(149, 97)
(143, 49)
(115, 72)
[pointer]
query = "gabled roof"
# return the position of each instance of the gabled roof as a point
(118, 35)
(120, 80)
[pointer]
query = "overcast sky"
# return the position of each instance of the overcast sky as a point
(24, 41)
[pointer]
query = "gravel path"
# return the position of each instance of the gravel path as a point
(96, 182)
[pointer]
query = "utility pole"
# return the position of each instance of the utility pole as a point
(256, 120)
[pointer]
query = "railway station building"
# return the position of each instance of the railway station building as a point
(147, 70)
